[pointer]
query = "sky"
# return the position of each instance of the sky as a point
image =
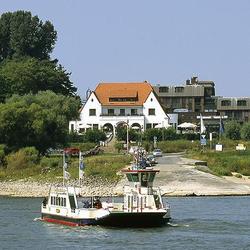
(164, 42)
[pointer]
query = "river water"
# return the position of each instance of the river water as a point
(197, 223)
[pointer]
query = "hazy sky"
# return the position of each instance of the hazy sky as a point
(162, 41)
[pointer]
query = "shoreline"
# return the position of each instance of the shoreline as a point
(35, 189)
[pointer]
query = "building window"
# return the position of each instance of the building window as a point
(151, 111)
(133, 111)
(122, 111)
(179, 89)
(163, 89)
(154, 125)
(123, 99)
(151, 99)
(111, 111)
(72, 127)
(148, 125)
(241, 103)
(95, 126)
(92, 112)
(226, 103)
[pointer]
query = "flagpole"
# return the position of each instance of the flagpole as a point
(79, 170)
(63, 167)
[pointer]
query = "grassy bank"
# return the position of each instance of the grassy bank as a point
(224, 163)
(50, 168)
(220, 163)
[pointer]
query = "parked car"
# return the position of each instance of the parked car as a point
(157, 152)
(151, 159)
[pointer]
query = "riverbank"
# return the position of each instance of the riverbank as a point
(231, 186)
(178, 176)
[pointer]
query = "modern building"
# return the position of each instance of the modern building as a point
(113, 104)
(188, 100)
(236, 108)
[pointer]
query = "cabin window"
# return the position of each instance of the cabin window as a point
(64, 202)
(129, 177)
(151, 177)
(135, 177)
(144, 179)
(72, 202)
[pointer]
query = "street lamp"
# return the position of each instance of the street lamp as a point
(127, 137)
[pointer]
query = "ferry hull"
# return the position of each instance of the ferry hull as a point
(123, 219)
(58, 219)
(115, 219)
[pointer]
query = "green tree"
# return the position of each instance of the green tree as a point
(121, 134)
(36, 120)
(232, 130)
(94, 135)
(22, 34)
(149, 134)
(169, 134)
(245, 131)
(29, 75)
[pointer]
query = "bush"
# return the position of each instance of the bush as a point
(106, 166)
(149, 134)
(177, 146)
(23, 158)
(121, 134)
(83, 146)
(232, 130)
(51, 162)
(119, 146)
(2, 156)
(94, 135)
(74, 137)
(245, 131)
(169, 134)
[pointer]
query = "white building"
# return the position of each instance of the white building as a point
(115, 104)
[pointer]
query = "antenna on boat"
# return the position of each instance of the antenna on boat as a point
(81, 168)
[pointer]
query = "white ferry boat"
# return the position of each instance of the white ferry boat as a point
(142, 204)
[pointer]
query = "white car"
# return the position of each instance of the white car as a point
(157, 152)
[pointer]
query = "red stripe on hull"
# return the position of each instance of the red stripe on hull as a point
(63, 222)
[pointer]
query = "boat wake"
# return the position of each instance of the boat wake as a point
(37, 219)
(177, 225)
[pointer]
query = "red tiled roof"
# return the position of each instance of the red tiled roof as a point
(139, 91)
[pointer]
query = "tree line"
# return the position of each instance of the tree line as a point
(37, 97)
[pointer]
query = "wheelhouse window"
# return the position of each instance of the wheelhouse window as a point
(92, 112)
(225, 103)
(151, 111)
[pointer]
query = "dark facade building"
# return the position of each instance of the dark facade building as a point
(188, 100)
(235, 108)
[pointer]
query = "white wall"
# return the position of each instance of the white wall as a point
(160, 117)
